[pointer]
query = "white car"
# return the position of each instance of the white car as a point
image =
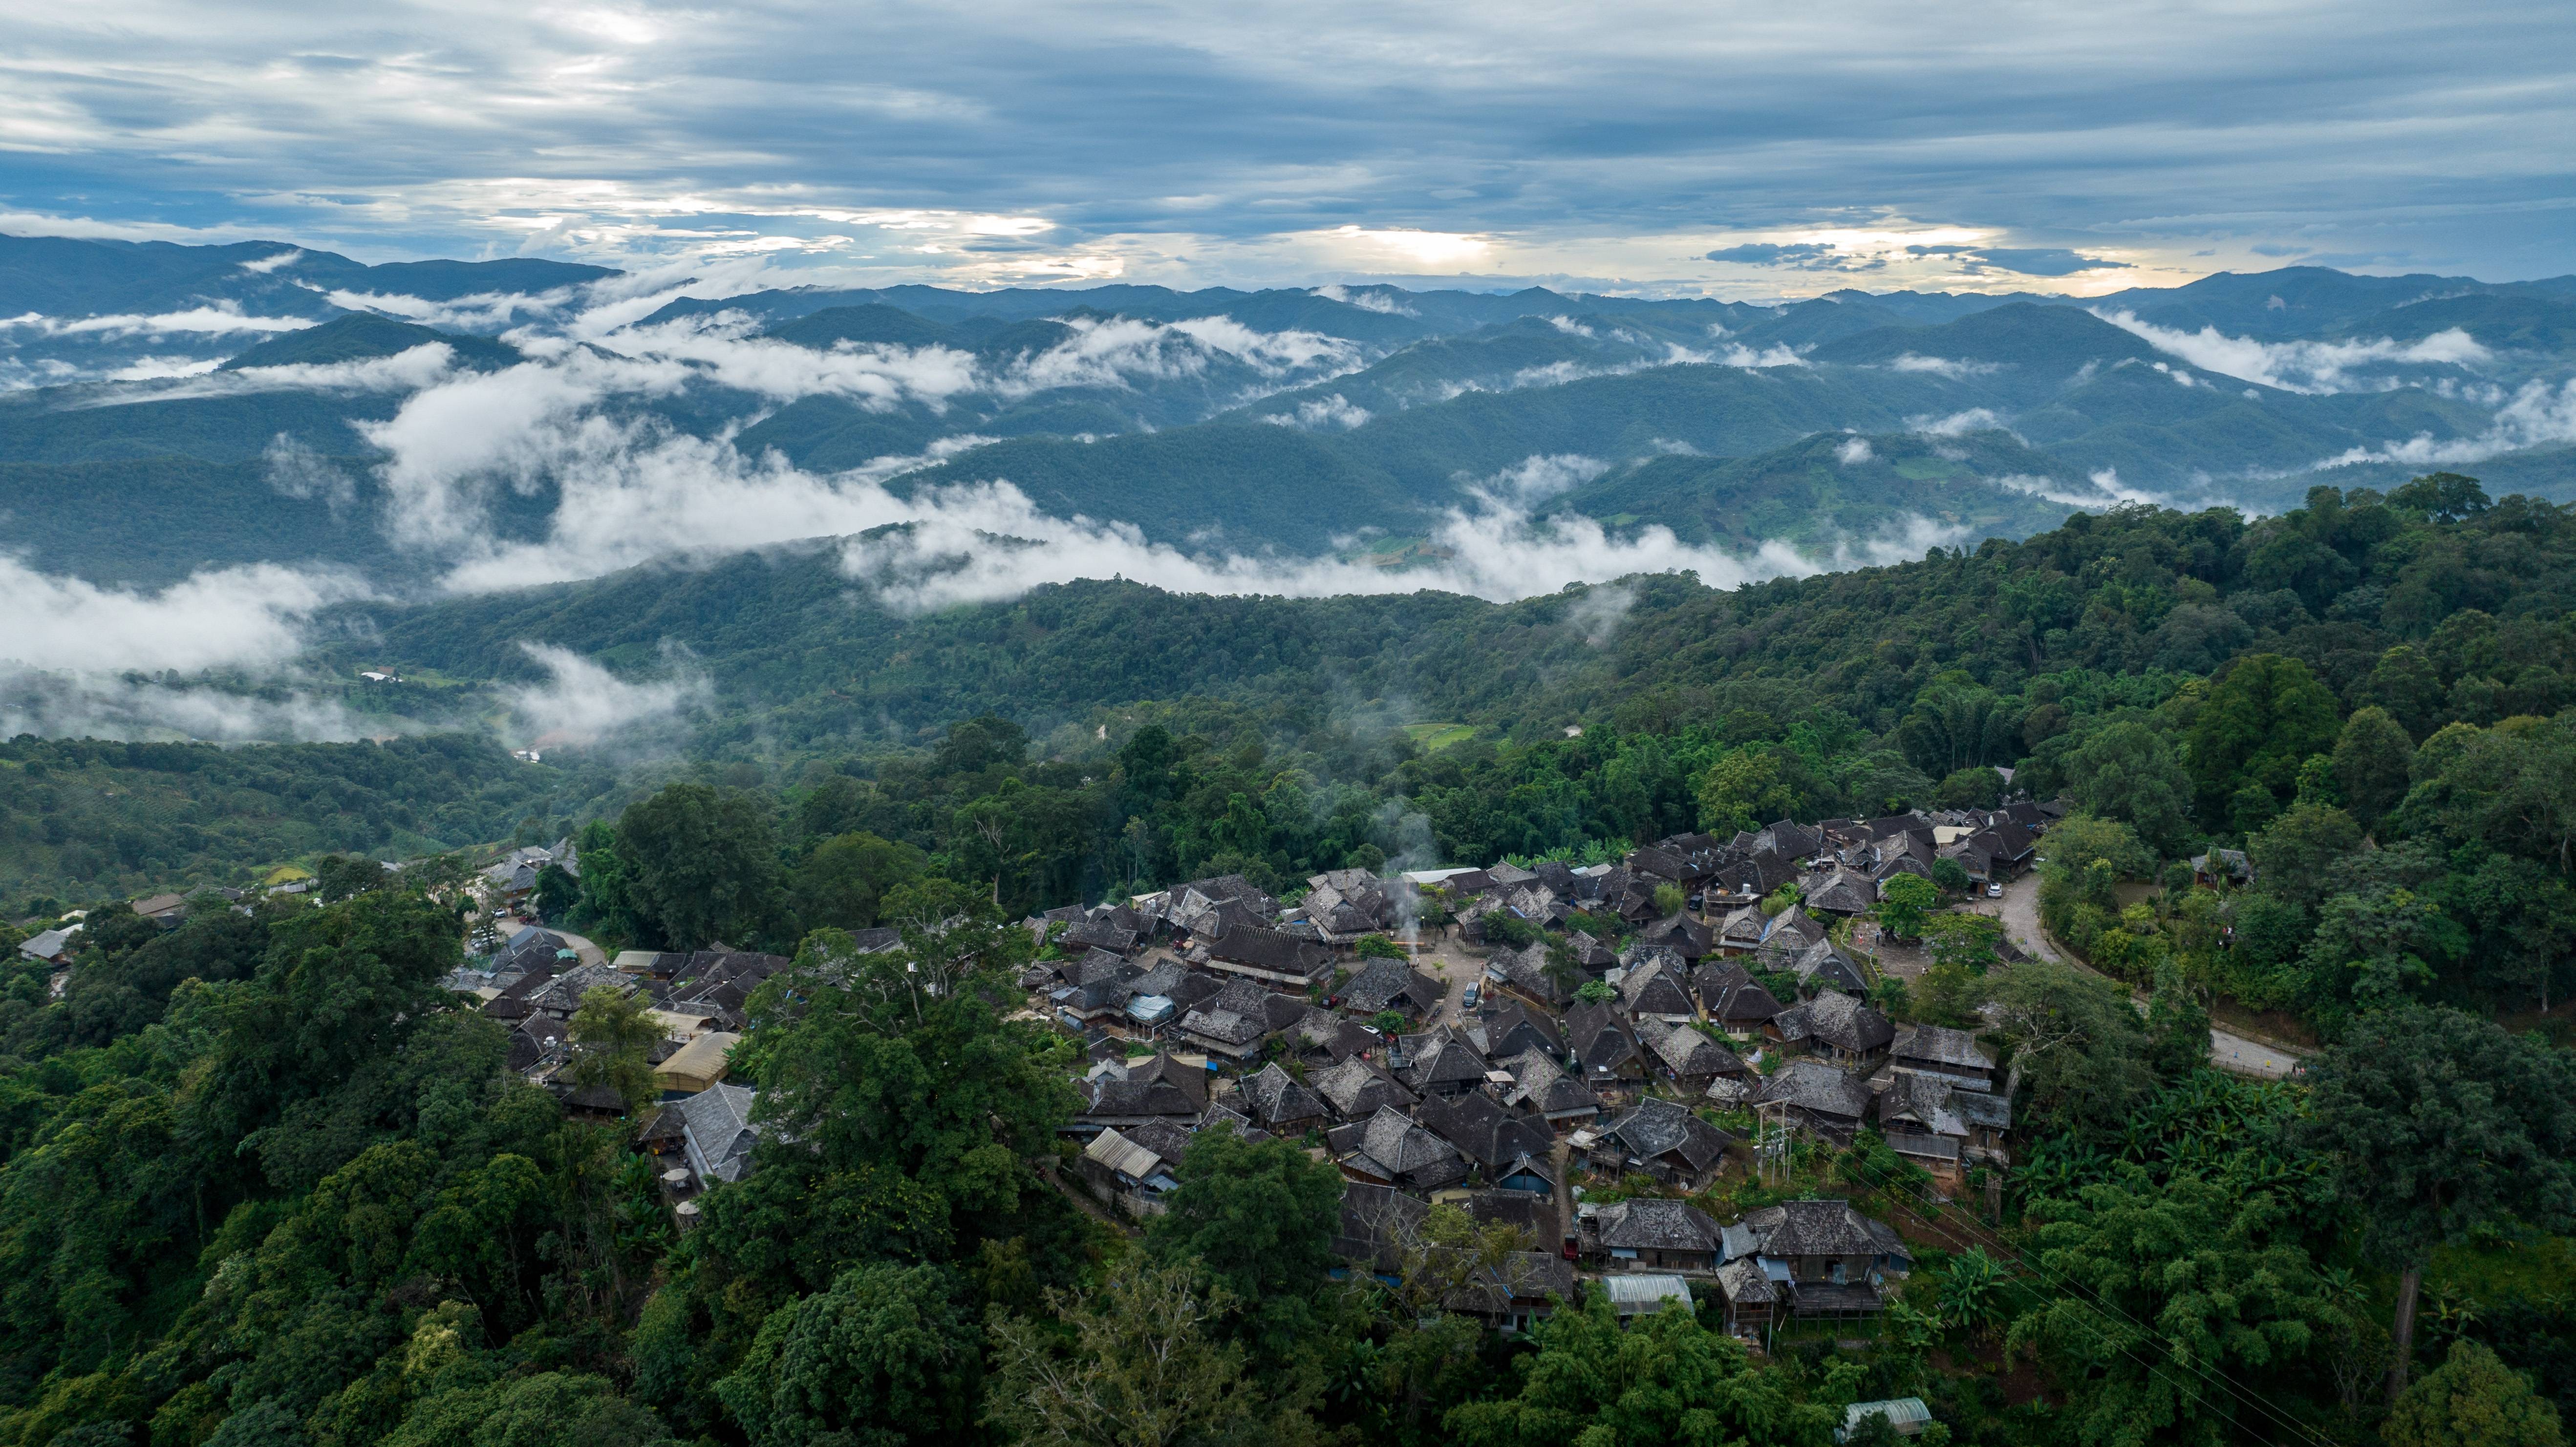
(1994, 891)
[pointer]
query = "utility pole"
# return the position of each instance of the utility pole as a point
(1771, 1143)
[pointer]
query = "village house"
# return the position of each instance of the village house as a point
(1538, 1083)
(1390, 1149)
(1653, 988)
(1730, 999)
(1939, 1050)
(1356, 1089)
(1827, 1102)
(1649, 1233)
(1385, 986)
(1513, 1029)
(1685, 1056)
(1662, 1140)
(1126, 1174)
(1834, 1261)
(1273, 1100)
(1437, 1064)
(716, 1131)
(1509, 1150)
(1943, 1125)
(1605, 1044)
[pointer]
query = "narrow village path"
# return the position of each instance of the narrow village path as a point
(2231, 1052)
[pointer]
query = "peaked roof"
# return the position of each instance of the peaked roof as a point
(1814, 1086)
(1843, 1022)
(1654, 1223)
(1356, 1090)
(1658, 1127)
(1276, 1098)
(1730, 994)
(1821, 1228)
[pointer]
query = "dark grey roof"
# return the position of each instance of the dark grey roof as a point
(1814, 1086)
(1267, 949)
(1408, 1153)
(1821, 966)
(1820, 1228)
(1356, 1090)
(1659, 1127)
(1654, 987)
(1687, 1053)
(1843, 1022)
(1440, 1059)
(1526, 969)
(1274, 1098)
(1600, 1036)
(1730, 995)
(1942, 1045)
(1653, 1223)
(1487, 1134)
(718, 1122)
(1515, 1028)
(1384, 984)
(1540, 1084)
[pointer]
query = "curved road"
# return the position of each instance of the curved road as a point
(2228, 1051)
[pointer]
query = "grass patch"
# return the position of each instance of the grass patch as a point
(1431, 738)
(2524, 1270)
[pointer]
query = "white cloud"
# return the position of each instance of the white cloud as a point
(219, 319)
(1367, 299)
(1854, 452)
(1774, 355)
(1570, 327)
(1957, 424)
(407, 371)
(262, 266)
(582, 702)
(2538, 416)
(1955, 370)
(1320, 412)
(2300, 366)
(1539, 477)
(244, 617)
(104, 706)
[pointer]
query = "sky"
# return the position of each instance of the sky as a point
(1728, 149)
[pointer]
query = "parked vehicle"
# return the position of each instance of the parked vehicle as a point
(1994, 891)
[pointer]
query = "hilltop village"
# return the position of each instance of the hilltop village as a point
(1463, 1036)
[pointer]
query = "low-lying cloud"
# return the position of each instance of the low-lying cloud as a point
(217, 319)
(583, 703)
(243, 617)
(1956, 370)
(2301, 366)
(2537, 416)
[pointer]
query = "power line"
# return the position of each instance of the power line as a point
(2109, 1310)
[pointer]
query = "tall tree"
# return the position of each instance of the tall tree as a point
(884, 1358)
(1259, 1217)
(1145, 1367)
(2472, 1400)
(2260, 721)
(2174, 1285)
(2372, 757)
(613, 1032)
(2436, 1123)
(704, 864)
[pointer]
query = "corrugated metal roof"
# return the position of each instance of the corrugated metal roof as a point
(1906, 1414)
(1122, 1155)
(1633, 1293)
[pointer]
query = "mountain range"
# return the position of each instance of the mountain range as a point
(178, 408)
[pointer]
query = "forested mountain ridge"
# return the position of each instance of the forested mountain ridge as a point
(269, 393)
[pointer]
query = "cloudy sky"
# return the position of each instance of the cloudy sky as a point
(1729, 148)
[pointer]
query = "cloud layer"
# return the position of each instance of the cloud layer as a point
(996, 140)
